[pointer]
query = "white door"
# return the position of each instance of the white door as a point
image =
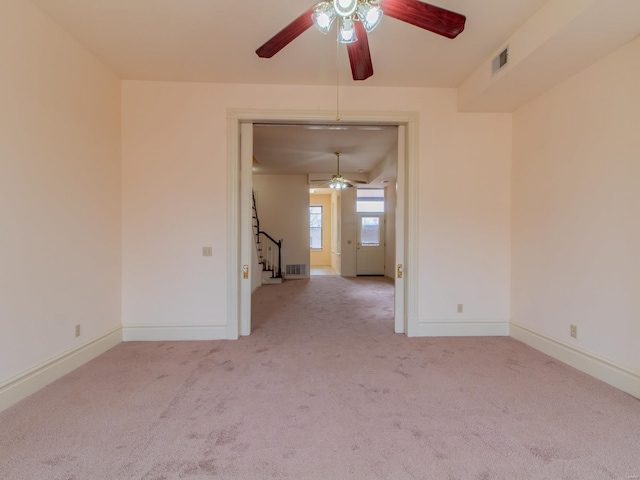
(246, 226)
(401, 321)
(370, 247)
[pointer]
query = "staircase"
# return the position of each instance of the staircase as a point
(269, 251)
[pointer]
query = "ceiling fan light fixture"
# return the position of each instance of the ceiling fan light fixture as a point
(370, 15)
(345, 8)
(323, 16)
(366, 11)
(347, 32)
(338, 182)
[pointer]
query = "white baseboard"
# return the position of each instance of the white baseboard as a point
(24, 384)
(167, 333)
(610, 372)
(457, 328)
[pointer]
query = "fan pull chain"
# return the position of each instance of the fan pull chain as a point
(338, 79)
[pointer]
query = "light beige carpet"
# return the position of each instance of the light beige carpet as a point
(323, 389)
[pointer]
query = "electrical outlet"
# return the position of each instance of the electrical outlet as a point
(460, 308)
(77, 330)
(573, 331)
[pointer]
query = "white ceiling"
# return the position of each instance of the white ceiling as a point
(215, 41)
(303, 149)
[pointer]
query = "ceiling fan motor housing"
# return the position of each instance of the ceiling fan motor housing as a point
(345, 8)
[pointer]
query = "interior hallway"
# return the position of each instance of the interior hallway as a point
(323, 270)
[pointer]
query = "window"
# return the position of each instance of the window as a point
(370, 200)
(315, 227)
(370, 232)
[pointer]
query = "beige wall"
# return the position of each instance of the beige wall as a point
(283, 209)
(60, 259)
(323, 257)
(464, 225)
(576, 205)
(175, 199)
(336, 229)
(348, 232)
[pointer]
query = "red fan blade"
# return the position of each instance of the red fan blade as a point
(359, 54)
(435, 19)
(287, 35)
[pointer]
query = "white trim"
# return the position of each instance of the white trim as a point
(400, 317)
(458, 328)
(603, 369)
(233, 222)
(411, 227)
(24, 384)
(314, 116)
(246, 242)
(235, 117)
(168, 333)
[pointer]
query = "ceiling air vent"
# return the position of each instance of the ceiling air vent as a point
(500, 61)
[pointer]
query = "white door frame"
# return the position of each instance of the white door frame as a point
(406, 232)
(238, 222)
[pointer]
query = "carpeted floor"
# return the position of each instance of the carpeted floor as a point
(323, 389)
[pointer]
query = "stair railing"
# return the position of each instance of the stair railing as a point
(270, 259)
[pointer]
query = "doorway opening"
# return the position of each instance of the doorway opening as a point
(240, 161)
(323, 238)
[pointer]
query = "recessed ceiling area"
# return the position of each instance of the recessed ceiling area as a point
(367, 151)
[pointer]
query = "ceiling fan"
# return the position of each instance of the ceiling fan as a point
(337, 181)
(357, 18)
